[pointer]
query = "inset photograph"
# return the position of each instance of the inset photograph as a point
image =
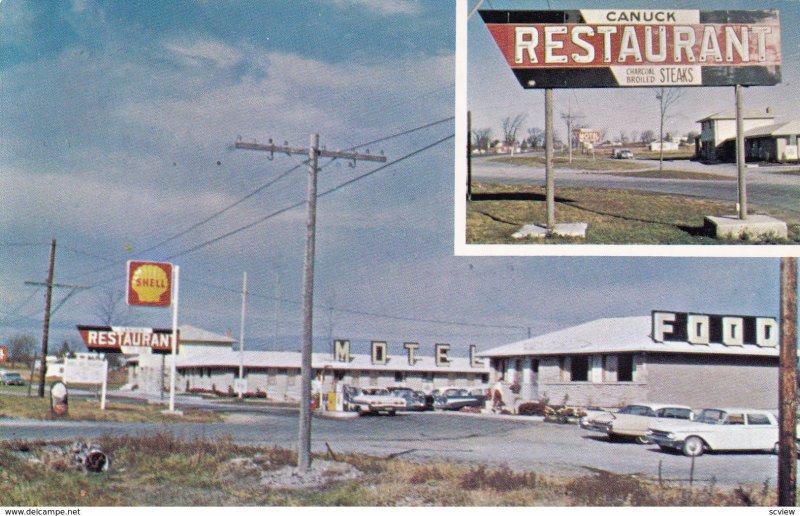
(675, 126)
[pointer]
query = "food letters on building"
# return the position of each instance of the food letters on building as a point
(703, 329)
(113, 339)
(598, 48)
(149, 284)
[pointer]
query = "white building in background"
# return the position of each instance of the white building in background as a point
(209, 362)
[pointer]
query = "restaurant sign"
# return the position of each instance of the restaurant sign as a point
(609, 48)
(116, 339)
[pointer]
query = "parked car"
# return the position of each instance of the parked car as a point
(634, 421)
(9, 378)
(719, 429)
(376, 401)
(456, 399)
(414, 400)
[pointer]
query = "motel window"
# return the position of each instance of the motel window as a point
(625, 368)
(291, 379)
(373, 378)
(271, 376)
(451, 377)
(339, 375)
(355, 376)
(579, 372)
(485, 378)
(399, 376)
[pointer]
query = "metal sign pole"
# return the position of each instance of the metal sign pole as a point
(550, 185)
(241, 336)
(173, 369)
(740, 158)
(104, 388)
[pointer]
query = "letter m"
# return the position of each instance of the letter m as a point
(341, 350)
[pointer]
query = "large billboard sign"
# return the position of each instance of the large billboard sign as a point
(609, 48)
(149, 284)
(116, 339)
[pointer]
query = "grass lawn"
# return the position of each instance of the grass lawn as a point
(614, 216)
(578, 163)
(162, 470)
(89, 410)
(674, 174)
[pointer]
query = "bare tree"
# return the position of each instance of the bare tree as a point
(110, 308)
(482, 138)
(635, 136)
(648, 136)
(535, 136)
(510, 128)
(623, 137)
(22, 349)
(667, 98)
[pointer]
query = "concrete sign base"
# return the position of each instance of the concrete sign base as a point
(571, 230)
(755, 227)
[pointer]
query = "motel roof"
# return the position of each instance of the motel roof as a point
(614, 335)
(193, 335)
(291, 359)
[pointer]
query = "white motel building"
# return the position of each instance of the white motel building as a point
(210, 362)
(693, 359)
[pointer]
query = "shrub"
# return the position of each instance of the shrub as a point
(532, 408)
(503, 479)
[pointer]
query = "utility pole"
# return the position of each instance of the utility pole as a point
(787, 394)
(314, 153)
(47, 312)
(740, 157)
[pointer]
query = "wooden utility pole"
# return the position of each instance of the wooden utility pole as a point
(787, 446)
(314, 153)
(48, 299)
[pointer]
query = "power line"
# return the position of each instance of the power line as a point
(249, 196)
(301, 203)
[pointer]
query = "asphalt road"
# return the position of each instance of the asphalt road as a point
(523, 444)
(765, 185)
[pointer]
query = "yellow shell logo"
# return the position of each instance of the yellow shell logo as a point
(149, 282)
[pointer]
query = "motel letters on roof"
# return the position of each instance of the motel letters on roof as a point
(609, 48)
(379, 353)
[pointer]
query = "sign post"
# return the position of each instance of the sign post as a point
(618, 48)
(155, 284)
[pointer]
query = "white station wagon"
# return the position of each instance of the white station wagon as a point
(719, 429)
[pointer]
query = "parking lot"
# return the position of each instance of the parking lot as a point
(518, 442)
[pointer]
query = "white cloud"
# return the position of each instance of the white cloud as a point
(382, 7)
(203, 52)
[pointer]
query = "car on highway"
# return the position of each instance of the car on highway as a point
(373, 400)
(457, 399)
(622, 154)
(634, 420)
(11, 378)
(719, 429)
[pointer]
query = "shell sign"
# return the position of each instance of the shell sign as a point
(149, 284)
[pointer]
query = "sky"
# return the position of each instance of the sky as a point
(494, 92)
(116, 139)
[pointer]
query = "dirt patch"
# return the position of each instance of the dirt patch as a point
(257, 471)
